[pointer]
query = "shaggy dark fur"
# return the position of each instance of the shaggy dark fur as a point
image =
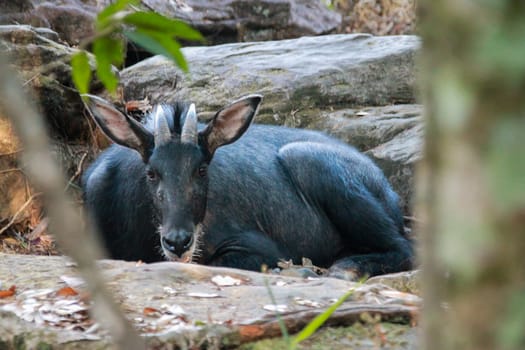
(275, 193)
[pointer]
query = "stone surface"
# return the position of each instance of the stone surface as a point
(398, 157)
(71, 19)
(224, 21)
(407, 282)
(225, 310)
(43, 66)
(298, 77)
(219, 20)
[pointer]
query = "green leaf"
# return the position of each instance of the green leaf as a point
(81, 71)
(159, 44)
(108, 51)
(155, 22)
(318, 321)
(103, 16)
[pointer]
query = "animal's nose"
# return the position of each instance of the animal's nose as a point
(177, 242)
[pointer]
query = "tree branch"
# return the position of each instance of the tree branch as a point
(65, 222)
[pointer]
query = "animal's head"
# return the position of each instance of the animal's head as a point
(176, 162)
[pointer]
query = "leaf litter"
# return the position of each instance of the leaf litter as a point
(67, 307)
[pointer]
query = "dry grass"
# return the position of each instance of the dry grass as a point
(378, 17)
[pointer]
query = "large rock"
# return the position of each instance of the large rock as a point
(223, 21)
(298, 77)
(71, 19)
(219, 20)
(322, 83)
(44, 66)
(189, 305)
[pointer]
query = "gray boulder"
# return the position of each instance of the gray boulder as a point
(71, 19)
(223, 21)
(298, 77)
(219, 20)
(44, 66)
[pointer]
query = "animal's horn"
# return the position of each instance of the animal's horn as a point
(189, 129)
(162, 130)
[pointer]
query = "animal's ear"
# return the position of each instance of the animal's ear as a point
(229, 123)
(118, 127)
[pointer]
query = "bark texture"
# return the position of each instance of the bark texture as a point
(472, 182)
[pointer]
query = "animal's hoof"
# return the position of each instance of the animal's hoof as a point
(299, 272)
(344, 274)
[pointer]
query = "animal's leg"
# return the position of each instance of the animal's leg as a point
(354, 267)
(358, 201)
(249, 250)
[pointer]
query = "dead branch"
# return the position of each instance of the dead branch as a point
(344, 316)
(10, 153)
(38, 230)
(65, 221)
(12, 170)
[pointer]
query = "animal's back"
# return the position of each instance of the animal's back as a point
(274, 193)
(253, 187)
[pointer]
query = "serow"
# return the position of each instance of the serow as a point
(230, 194)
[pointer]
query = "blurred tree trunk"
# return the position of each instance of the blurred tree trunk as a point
(472, 183)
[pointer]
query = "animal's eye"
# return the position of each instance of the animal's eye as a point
(151, 174)
(203, 170)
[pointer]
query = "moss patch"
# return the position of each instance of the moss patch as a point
(357, 336)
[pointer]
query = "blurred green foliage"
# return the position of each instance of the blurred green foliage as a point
(120, 20)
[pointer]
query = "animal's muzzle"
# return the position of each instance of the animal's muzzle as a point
(177, 242)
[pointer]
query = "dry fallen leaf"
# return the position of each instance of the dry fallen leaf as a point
(173, 309)
(170, 291)
(203, 295)
(142, 106)
(36, 293)
(8, 292)
(72, 281)
(280, 283)
(405, 298)
(306, 302)
(164, 320)
(226, 281)
(151, 311)
(67, 292)
(251, 331)
(276, 308)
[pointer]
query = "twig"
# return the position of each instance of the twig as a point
(297, 320)
(12, 170)
(77, 172)
(32, 78)
(10, 153)
(37, 231)
(18, 212)
(65, 221)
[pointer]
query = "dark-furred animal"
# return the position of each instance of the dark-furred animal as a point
(231, 194)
